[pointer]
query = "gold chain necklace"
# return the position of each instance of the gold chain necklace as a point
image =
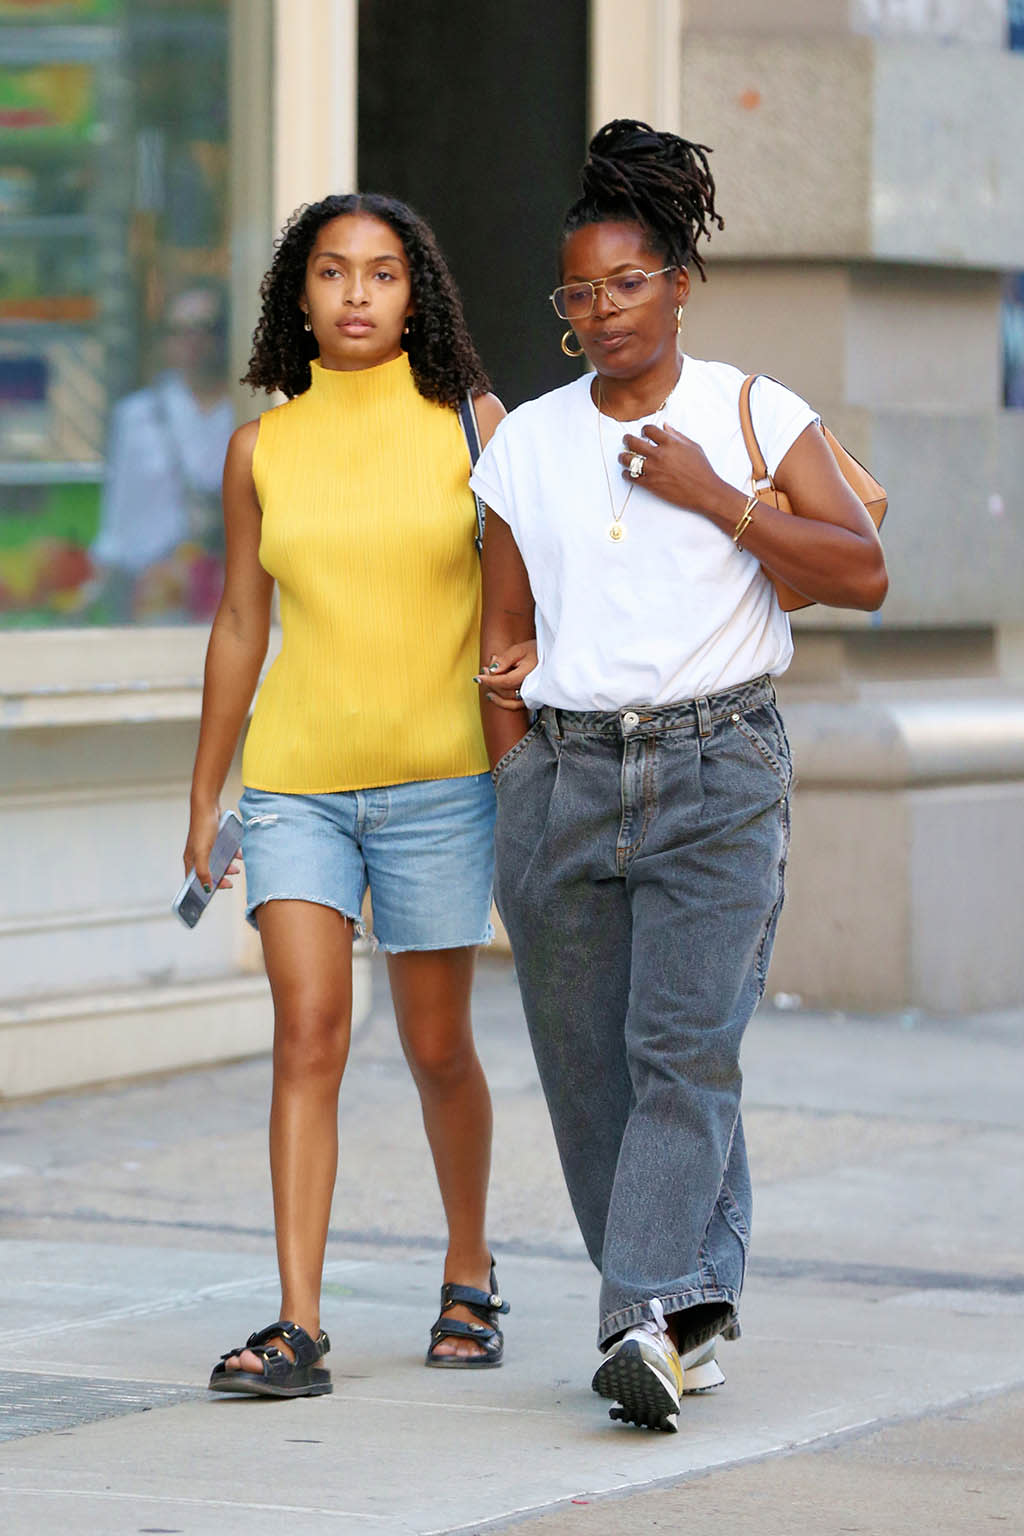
(616, 532)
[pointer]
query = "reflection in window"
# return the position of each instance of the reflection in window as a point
(114, 263)
(950, 21)
(1015, 23)
(1013, 290)
(1013, 341)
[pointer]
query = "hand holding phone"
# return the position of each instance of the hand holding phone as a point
(193, 899)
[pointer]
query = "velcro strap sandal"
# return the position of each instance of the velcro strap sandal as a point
(280, 1376)
(484, 1305)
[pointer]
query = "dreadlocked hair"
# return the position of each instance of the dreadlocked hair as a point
(444, 362)
(658, 180)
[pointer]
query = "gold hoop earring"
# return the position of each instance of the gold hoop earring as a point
(307, 324)
(566, 348)
(679, 318)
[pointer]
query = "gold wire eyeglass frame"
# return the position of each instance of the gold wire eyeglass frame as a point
(609, 285)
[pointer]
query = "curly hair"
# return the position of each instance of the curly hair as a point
(658, 180)
(444, 362)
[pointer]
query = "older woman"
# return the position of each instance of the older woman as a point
(642, 818)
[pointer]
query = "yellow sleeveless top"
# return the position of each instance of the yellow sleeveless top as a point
(368, 527)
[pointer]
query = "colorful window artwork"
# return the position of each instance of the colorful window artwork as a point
(114, 265)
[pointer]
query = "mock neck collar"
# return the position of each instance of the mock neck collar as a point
(352, 385)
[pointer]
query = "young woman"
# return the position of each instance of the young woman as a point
(642, 818)
(365, 761)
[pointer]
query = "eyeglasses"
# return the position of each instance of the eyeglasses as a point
(575, 301)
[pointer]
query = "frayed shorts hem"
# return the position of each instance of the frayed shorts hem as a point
(355, 918)
(361, 930)
(409, 949)
(678, 1301)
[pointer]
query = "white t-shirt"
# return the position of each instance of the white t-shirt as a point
(674, 611)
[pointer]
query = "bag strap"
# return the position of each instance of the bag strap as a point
(758, 467)
(467, 415)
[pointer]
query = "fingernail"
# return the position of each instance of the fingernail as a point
(207, 888)
(477, 679)
(493, 698)
(493, 667)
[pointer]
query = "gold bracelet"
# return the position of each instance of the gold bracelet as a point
(745, 521)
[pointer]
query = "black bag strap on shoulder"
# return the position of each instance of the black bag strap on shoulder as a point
(467, 415)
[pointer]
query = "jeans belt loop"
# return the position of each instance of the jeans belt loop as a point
(703, 708)
(551, 721)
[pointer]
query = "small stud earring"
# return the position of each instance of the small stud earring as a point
(405, 328)
(566, 347)
(306, 324)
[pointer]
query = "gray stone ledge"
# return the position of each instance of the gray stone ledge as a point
(912, 742)
(51, 1044)
(78, 678)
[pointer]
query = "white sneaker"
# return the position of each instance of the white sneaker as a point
(701, 1370)
(644, 1375)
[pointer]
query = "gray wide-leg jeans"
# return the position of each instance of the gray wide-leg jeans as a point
(640, 861)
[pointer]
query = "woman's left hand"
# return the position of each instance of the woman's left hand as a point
(675, 468)
(503, 677)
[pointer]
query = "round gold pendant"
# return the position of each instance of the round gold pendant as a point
(616, 532)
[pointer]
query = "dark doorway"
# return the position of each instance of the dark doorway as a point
(476, 114)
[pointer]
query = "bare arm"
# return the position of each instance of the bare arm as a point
(235, 654)
(508, 621)
(489, 411)
(504, 662)
(829, 550)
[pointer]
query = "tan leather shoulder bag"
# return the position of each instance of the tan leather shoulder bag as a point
(763, 486)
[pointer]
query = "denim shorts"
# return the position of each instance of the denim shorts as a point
(425, 850)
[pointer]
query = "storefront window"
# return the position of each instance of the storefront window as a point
(114, 309)
(1013, 341)
(1013, 288)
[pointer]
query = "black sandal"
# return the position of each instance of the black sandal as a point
(280, 1377)
(483, 1304)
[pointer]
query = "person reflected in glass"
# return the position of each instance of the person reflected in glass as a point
(643, 815)
(365, 763)
(159, 549)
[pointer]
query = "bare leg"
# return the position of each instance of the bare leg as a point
(308, 953)
(431, 992)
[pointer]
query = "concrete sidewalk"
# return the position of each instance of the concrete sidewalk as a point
(875, 1387)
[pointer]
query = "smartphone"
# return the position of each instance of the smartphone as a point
(191, 901)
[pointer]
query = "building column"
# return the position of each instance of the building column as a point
(861, 263)
(315, 60)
